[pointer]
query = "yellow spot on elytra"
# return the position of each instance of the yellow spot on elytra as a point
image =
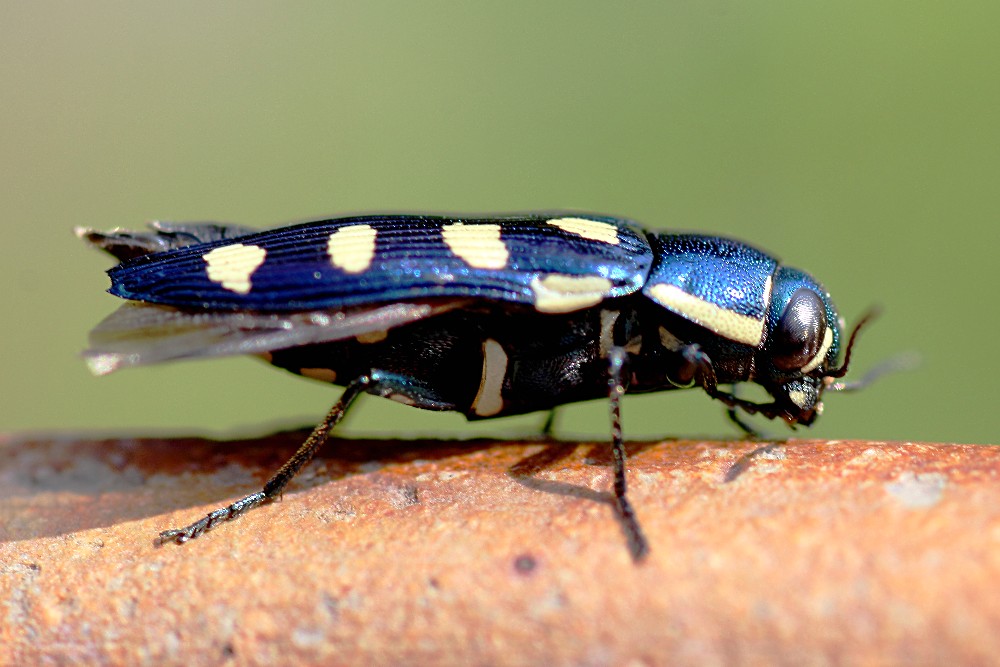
(352, 248)
(594, 230)
(734, 326)
(489, 400)
(557, 293)
(231, 266)
(479, 246)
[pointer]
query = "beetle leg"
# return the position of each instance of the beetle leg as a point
(550, 422)
(705, 372)
(749, 431)
(274, 486)
(744, 426)
(768, 410)
(616, 389)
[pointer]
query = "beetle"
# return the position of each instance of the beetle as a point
(486, 316)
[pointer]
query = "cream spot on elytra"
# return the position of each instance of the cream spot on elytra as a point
(594, 230)
(231, 266)
(479, 246)
(557, 293)
(352, 248)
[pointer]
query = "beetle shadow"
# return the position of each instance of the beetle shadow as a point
(745, 461)
(54, 486)
(525, 472)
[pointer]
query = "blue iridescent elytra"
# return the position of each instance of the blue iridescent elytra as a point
(486, 316)
(410, 258)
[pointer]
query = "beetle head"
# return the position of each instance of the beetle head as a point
(798, 358)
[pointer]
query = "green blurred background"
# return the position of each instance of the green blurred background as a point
(857, 140)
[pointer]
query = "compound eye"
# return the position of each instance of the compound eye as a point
(801, 332)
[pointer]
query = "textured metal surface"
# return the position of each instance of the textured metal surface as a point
(501, 553)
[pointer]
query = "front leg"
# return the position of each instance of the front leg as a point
(748, 431)
(698, 365)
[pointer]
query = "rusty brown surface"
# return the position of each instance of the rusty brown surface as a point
(482, 552)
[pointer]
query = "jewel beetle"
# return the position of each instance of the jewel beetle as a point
(486, 316)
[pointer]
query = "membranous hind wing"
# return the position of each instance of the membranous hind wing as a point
(140, 334)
